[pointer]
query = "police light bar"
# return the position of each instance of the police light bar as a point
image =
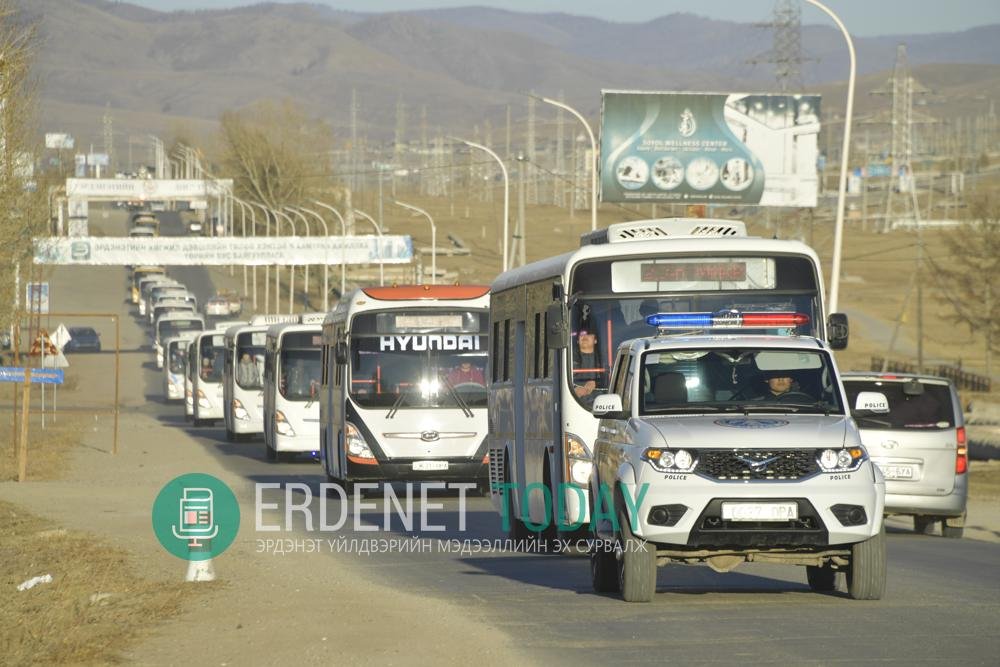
(726, 319)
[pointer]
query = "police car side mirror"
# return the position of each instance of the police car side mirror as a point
(870, 403)
(557, 326)
(837, 331)
(608, 406)
(340, 352)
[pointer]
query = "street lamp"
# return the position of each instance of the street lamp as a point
(305, 223)
(838, 234)
(593, 155)
(267, 267)
(326, 261)
(381, 259)
(506, 195)
(420, 211)
(343, 241)
(291, 267)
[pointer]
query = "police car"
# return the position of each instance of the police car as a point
(724, 447)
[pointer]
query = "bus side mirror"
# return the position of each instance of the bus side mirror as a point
(340, 352)
(557, 322)
(837, 331)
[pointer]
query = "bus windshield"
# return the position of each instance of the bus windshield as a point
(168, 328)
(419, 359)
(212, 351)
(177, 354)
(612, 299)
(250, 359)
(301, 366)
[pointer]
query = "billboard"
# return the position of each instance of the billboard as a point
(59, 140)
(709, 148)
(121, 189)
(222, 251)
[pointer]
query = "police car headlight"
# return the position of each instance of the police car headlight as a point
(665, 460)
(357, 448)
(842, 460)
(281, 424)
(239, 411)
(579, 464)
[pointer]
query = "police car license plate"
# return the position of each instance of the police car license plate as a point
(760, 511)
(430, 465)
(897, 471)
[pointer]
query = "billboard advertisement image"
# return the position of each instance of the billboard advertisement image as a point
(709, 148)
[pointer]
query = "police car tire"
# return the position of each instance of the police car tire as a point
(637, 566)
(866, 572)
(821, 579)
(603, 571)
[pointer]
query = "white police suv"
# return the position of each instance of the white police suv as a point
(723, 449)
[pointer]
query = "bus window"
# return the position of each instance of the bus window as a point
(249, 369)
(178, 357)
(213, 357)
(300, 365)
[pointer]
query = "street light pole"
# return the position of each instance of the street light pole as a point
(305, 223)
(838, 234)
(267, 267)
(381, 260)
(593, 155)
(343, 241)
(424, 213)
(506, 196)
(291, 267)
(326, 262)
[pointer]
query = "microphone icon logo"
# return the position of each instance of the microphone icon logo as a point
(196, 516)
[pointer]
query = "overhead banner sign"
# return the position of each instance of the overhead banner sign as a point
(709, 148)
(221, 251)
(120, 189)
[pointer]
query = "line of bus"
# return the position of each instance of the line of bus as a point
(404, 385)
(556, 324)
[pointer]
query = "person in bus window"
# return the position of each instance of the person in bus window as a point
(466, 373)
(588, 373)
(246, 371)
(206, 368)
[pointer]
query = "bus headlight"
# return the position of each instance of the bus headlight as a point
(239, 412)
(203, 400)
(841, 460)
(358, 450)
(579, 464)
(281, 424)
(665, 460)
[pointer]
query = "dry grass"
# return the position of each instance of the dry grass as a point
(60, 622)
(984, 480)
(48, 449)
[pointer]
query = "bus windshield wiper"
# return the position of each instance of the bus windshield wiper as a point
(458, 399)
(395, 405)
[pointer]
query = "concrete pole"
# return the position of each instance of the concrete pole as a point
(424, 213)
(343, 241)
(381, 259)
(506, 198)
(326, 263)
(593, 161)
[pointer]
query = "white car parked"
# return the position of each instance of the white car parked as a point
(726, 449)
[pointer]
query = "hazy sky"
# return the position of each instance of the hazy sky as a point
(862, 17)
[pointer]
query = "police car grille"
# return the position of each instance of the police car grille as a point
(757, 464)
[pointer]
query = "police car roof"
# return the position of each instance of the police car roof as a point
(668, 342)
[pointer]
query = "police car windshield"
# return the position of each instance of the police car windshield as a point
(738, 379)
(430, 359)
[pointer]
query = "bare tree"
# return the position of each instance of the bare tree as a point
(23, 214)
(970, 280)
(275, 153)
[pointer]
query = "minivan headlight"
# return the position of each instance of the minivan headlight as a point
(666, 460)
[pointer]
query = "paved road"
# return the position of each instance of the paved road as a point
(942, 604)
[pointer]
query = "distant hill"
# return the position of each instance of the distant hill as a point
(157, 69)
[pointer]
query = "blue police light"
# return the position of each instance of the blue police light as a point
(727, 319)
(680, 320)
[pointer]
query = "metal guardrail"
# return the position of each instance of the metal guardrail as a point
(962, 379)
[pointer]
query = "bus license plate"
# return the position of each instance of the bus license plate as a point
(760, 511)
(430, 465)
(897, 471)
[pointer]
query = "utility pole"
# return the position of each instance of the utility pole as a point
(519, 234)
(559, 185)
(530, 154)
(355, 162)
(109, 138)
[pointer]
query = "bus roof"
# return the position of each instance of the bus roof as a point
(435, 292)
(276, 330)
(687, 245)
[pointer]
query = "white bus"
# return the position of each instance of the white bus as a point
(556, 324)
(404, 385)
(172, 324)
(206, 383)
(291, 389)
(175, 366)
(243, 376)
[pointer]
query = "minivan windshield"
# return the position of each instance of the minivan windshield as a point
(931, 408)
(738, 379)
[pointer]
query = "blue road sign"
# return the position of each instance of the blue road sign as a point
(38, 375)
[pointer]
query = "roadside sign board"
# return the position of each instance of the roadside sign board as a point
(61, 336)
(38, 375)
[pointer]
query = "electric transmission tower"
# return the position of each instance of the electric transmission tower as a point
(786, 47)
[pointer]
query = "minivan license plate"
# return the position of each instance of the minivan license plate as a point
(430, 465)
(897, 471)
(760, 511)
